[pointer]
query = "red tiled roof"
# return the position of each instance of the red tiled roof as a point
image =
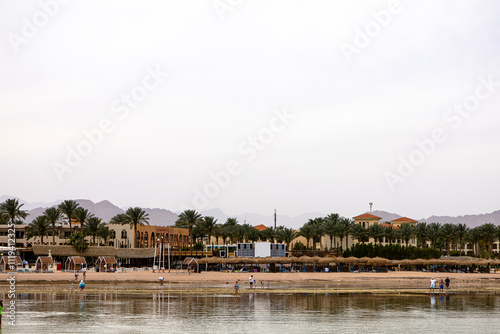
(387, 225)
(367, 216)
(260, 227)
(404, 219)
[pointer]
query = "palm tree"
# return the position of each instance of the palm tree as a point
(68, 208)
(407, 231)
(53, 216)
(217, 233)
(189, 219)
(343, 228)
(475, 237)
(433, 233)
(316, 229)
(360, 233)
(92, 227)
(390, 233)
(376, 231)
(4, 218)
(226, 232)
(79, 242)
(11, 210)
(330, 222)
(421, 233)
(209, 225)
(447, 231)
(132, 217)
(253, 235)
(268, 234)
(239, 233)
(39, 227)
(461, 231)
(119, 219)
(81, 215)
(489, 236)
(307, 231)
(287, 235)
(104, 233)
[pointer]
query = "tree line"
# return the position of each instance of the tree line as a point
(49, 223)
(333, 226)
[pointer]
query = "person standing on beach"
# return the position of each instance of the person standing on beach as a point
(1, 310)
(447, 283)
(84, 275)
(250, 280)
(433, 285)
(76, 275)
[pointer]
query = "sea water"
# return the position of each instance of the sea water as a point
(254, 313)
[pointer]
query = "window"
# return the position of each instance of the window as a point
(113, 234)
(124, 234)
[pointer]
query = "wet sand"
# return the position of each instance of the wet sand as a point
(134, 282)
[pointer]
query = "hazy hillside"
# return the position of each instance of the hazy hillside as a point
(163, 217)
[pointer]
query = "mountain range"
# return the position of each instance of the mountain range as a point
(163, 217)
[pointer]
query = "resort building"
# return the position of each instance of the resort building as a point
(403, 220)
(260, 249)
(366, 220)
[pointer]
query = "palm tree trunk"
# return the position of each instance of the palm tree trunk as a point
(53, 233)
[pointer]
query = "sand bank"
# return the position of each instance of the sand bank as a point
(400, 282)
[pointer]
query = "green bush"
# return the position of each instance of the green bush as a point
(299, 246)
(391, 252)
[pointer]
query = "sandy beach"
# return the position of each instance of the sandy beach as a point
(399, 282)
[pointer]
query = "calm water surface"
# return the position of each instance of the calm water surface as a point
(254, 313)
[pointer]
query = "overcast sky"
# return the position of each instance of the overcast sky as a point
(302, 106)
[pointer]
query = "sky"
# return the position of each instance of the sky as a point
(251, 106)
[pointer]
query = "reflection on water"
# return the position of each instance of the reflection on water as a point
(116, 313)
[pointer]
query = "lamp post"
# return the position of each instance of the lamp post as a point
(154, 257)
(162, 252)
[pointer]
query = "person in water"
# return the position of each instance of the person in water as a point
(236, 289)
(81, 285)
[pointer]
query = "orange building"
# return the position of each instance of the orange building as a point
(148, 235)
(366, 220)
(402, 220)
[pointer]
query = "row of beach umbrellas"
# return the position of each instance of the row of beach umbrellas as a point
(348, 260)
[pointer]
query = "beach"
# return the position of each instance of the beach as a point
(396, 282)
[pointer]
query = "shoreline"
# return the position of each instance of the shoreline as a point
(216, 283)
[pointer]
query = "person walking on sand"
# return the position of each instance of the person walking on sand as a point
(447, 283)
(1, 310)
(441, 287)
(250, 280)
(84, 275)
(433, 285)
(76, 275)
(236, 288)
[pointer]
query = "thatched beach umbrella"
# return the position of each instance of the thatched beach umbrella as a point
(430, 262)
(417, 262)
(483, 262)
(305, 259)
(377, 261)
(351, 259)
(328, 259)
(364, 260)
(392, 263)
(404, 262)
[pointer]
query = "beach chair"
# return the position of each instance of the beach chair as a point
(26, 270)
